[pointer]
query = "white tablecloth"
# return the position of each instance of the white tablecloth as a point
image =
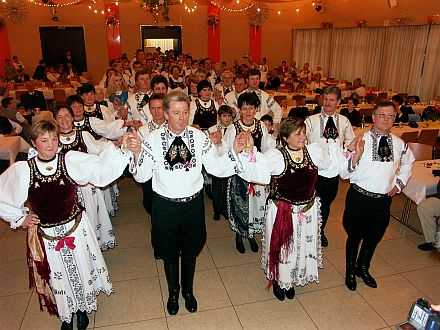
(399, 130)
(42, 115)
(10, 146)
(422, 182)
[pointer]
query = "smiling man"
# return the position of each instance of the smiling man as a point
(383, 170)
(328, 127)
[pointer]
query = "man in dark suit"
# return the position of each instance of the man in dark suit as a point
(40, 70)
(32, 98)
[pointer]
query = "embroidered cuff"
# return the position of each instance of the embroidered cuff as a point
(238, 168)
(400, 185)
(351, 167)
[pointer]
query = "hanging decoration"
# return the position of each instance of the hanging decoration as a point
(60, 3)
(112, 21)
(404, 21)
(15, 11)
(155, 7)
(257, 14)
(361, 23)
(213, 16)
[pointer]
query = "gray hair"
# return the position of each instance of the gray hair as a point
(383, 105)
(332, 90)
(175, 96)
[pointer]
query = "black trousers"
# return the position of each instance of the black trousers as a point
(219, 187)
(326, 189)
(365, 219)
(148, 193)
(178, 228)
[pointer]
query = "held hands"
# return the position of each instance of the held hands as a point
(136, 124)
(30, 220)
(393, 191)
(243, 141)
(132, 141)
(216, 137)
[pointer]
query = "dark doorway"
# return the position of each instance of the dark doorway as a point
(56, 40)
(162, 32)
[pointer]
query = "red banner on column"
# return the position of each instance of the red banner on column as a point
(214, 33)
(113, 33)
(255, 33)
(5, 50)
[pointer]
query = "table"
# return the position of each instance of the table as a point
(399, 130)
(10, 146)
(48, 93)
(421, 184)
(42, 115)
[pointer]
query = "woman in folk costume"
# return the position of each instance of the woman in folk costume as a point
(246, 201)
(65, 262)
(72, 139)
(291, 245)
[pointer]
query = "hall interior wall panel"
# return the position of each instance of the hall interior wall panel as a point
(234, 38)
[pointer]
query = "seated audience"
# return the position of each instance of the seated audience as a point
(353, 115)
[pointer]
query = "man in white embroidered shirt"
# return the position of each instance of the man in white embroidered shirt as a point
(328, 127)
(382, 171)
(172, 156)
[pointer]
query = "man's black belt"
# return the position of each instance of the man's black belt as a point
(182, 200)
(368, 193)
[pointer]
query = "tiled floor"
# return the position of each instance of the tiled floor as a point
(230, 287)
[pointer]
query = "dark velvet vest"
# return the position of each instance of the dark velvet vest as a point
(54, 197)
(205, 117)
(257, 133)
(95, 113)
(88, 128)
(296, 185)
(77, 145)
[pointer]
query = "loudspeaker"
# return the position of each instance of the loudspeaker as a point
(392, 3)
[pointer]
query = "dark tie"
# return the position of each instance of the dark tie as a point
(145, 100)
(178, 153)
(384, 149)
(227, 90)
(330, 130)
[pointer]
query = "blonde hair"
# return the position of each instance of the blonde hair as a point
(111, 88)
(43, 126)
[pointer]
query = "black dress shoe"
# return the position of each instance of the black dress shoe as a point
(254, 244)
(278, 292)
(216, 217)
(67, 326)
(290, 293)
(82, 320)
(173, 302)
(190, 302)
(239, 245)
(350, 281)
(156, 255)
(366, 277)
(426, 247)
(324, 241)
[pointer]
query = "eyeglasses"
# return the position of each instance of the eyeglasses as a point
(386, 116)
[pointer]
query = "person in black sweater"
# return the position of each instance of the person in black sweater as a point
(353, 115)
(402, 111)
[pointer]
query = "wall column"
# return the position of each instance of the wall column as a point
(214, 33)
(5, 50)
(255, 37)
(113, 32)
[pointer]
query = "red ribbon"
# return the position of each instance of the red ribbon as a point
(251, 190)
(67, 241)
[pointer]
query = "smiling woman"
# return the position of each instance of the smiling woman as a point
(60, 236)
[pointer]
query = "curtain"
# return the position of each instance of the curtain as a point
(164, 44)
(388, 58)
(430, 84)
(403, 58)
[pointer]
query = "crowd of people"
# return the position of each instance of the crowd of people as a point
(182, 128)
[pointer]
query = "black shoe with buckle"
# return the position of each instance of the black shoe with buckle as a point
(67, 326)
(350, 280)
(290, 293)
(254, 244)
(426, 246)
(278, 292)
(366, 277)
(190, 302)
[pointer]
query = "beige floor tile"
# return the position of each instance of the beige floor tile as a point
(3, 227)
(133, 235)
(417, 239)
(274, 314)
(339, 308)
(379, 267)
(134, 300)
(329, 277)
(224, 253)
(14, 277)
(208, 290)
(335, 234)
(131, 191)
(218, 319)
(132, 212)
(132, 263)
(36, 319)
(426, 280)
(245, 283)
(403, 255)
(392, 298)
(12, 309)
(157, 324)
(219, 228)
(12, 248)
(204, 262)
